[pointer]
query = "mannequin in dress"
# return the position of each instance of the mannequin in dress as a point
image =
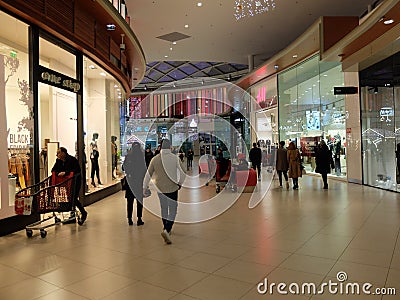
(94, 158)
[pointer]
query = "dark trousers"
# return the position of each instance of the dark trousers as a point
(129, 207)
(295, 183)
(325, 179)
(78, 204)
(258, 167)
(189, 163)
(169, 207)
(95, 170)
(280, 176)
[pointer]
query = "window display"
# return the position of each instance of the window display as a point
(103, 97)
(309, 111)
(16, 118)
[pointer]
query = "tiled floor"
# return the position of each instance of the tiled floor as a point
(304, 236)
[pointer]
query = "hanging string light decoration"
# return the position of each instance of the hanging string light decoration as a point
(250, 8)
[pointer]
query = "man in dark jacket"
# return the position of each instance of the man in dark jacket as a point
(64, 165)
(255, 158)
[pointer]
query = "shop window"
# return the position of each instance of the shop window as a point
(102, 99)
(309, 111)
(16, 113)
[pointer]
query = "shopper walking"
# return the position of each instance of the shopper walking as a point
(255, 158)
(166, 171)
(64, 165)
(148, 155)
(282, 165)
(293, 157)
(189, 159)
(135, 170)
(324, 162)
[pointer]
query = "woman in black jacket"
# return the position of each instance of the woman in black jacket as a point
(135, 170)
(324, 162)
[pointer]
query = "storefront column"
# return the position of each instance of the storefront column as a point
(353, 130)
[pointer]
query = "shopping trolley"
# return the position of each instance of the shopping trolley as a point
(207, 166)
(53, 194)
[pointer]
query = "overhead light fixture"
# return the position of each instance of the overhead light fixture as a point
(186, 26)
(92, 67)
(276, 67)
(173, 43)
(103, 74)
(376, 90)
(110, 27)
(116, 86)
(145, 87)
(294, 56)
(170, 48)
(199, 4)
(250, 8)
(388, 22)
(166, 56)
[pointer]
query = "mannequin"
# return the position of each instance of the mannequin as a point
(337, 146)
(114, 151)
(94, 158)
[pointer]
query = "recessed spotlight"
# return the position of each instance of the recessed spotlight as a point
(199, 4)
(186, 26)
(103, 74)
(110, 27)
(166, 56)
(294, 56)
(92, 67)
(387, 22)
(116, 86)
(173, 43)
(170, 48)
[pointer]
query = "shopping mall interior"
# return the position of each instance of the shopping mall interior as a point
(104, 78)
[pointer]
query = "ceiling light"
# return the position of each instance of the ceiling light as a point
(110, 27)
(92, 67)
(166, 56)
(116, 86)
(186, 26)
(174, 43)
(199, 4)
(387, 22)
(250, 8)
(294, 56)
(103, 74)
(170, 48)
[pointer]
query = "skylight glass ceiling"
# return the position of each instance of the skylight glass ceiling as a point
(162, 72)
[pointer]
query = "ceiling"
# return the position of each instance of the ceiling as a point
(214, 34)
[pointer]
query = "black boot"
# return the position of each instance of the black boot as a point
(139, 222)
(130, 222)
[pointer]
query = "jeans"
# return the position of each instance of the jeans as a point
(295, 183)
(169, 207)
(280, 176)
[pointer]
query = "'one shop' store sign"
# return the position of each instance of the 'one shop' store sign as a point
(58, 80)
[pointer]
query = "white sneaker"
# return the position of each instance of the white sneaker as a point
(166, 237)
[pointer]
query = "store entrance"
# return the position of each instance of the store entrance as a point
(57, 125)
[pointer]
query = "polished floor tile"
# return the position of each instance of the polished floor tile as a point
(305, 236)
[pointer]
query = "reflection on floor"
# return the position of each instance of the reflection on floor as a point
(303, 236)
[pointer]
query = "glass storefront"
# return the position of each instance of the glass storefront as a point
(265, 118)
(380, 114)
(16, 113)
(102, 99)
(309, 111)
